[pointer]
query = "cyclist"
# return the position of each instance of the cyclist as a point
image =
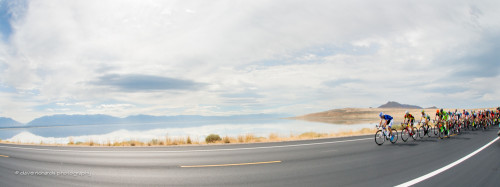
(445, 118)
(409, 119)
(458, 116)
(427, 118)
(387, 124)
(466, 117)
(474, 119)
(438, 116)
(497, 117)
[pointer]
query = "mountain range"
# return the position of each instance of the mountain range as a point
(394, 104)
(97, 119)
(8, 122)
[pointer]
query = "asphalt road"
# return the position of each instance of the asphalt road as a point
(352, 161)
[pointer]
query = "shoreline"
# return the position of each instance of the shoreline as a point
(226, 140)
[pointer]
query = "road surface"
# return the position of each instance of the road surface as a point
(351, 161)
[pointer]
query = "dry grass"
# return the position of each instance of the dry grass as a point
(174, 141)
(274, 137)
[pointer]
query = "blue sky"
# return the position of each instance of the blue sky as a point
(5, 16)
(240, 57)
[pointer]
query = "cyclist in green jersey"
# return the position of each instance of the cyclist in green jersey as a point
(445, 118)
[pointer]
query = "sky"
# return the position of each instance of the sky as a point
(196, 57)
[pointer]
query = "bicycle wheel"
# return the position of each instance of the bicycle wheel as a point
(421, 132)
(429, 131)
(435, 130)
(414, 133)
(394, 133)
(379, 137)
(442, 132)
(405, 135)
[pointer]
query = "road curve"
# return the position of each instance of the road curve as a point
(351, 161)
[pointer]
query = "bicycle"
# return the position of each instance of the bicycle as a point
(455, 127)
(424, 129)
(406, 132)
(381, 135)
(444, 130)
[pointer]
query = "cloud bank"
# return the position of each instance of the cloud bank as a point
(237, 57)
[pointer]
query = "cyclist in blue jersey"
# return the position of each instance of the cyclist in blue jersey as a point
(387, 124)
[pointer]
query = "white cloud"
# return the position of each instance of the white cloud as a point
(284, 52)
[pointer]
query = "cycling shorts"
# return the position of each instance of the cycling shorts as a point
(389, 123)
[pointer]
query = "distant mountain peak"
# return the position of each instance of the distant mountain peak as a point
(8, 122)
(101, 119)
(394, 104)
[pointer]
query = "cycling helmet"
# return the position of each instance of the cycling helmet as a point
(437, 111)
(423, 112)
(441, 110)
(407, 112)
(381, 114)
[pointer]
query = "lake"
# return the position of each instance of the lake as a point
(197, 130)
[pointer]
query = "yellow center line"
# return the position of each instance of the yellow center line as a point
(4, 156)
(221, 165)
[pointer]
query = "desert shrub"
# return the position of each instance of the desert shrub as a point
(227, 140)
(212, 138)
(188, 140)
(154, 141)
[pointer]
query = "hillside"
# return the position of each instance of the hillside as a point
(57, 120)
(8, 122)
(393, 104)
(364, 115)
(99, 119)
(357, 115)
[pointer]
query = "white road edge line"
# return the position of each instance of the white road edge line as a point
(431, 174)
(196, 150)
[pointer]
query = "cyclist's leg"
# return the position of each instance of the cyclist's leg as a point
(385, 128)
(426, 125)
(389, 126)
(410, 122)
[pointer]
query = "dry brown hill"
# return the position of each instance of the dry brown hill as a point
(363, 115)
